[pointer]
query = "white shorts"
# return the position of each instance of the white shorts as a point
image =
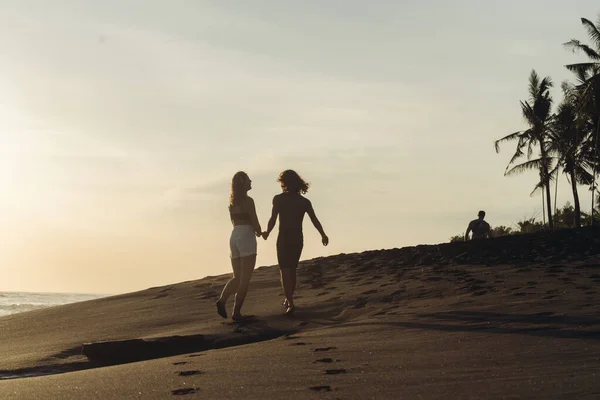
(242, 242)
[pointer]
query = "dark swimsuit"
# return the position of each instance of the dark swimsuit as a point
(289, 248)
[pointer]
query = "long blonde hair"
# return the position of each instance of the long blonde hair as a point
(238, 188)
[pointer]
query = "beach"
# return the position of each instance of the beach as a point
(512, 317)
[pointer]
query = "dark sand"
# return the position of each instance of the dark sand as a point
(510, 318)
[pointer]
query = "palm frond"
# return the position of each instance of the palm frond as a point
(506, 138)
(572, 45)
(518, 154)
(591, 53)
(540, 185)
(545, 85)
(582, 176)
(524, 167)
(529, 149)
(581, 69)
(592, 30)
(528, 113)
(534, 83)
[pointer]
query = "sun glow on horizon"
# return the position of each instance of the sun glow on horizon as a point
(120, 130)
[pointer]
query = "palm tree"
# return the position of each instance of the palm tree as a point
(536, 112)
(588, 74)
(567, 141)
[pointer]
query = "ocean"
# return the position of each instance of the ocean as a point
(16, 302)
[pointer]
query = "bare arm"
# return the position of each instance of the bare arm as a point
(273, 219)
(313, 217)
(253, 217)
(467, 232)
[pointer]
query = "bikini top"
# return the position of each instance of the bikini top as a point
(240, 215)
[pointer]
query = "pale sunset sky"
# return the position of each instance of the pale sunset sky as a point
(122, 123)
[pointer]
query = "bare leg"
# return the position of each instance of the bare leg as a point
(247, 267)
(287, 280)
(232, 285)
(293, 278)
(230, 288)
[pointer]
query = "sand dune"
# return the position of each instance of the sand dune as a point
(513, 317)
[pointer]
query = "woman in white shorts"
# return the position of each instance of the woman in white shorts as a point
(242, 243)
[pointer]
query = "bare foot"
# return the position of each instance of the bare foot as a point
(221, 309)
(290, 310)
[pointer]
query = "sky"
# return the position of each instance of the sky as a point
(122, 123)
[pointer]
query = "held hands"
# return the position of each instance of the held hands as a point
(325, 240)
(265, 235)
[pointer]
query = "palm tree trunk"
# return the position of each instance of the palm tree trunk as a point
(543, 209)
(575, 200)
(549, 208)
(595, 164)
(556, 194)
(547, 184)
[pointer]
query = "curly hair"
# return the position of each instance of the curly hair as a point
(291, 182)
(238, 188)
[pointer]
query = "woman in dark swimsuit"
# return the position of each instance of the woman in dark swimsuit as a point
(291, 206)
(242, 244)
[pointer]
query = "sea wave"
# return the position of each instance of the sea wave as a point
(17, 308)
(17, 302)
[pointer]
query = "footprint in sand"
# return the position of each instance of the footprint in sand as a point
(298, 344)
(324, 349)
(360, 303)
(180, 363)
(201, 285)
(524, 270)
(335, 371)
(544, 314)
(195, 355)
(190, 373)
(370, 291)
(323, 388)
(324, 360)
(184, 391)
